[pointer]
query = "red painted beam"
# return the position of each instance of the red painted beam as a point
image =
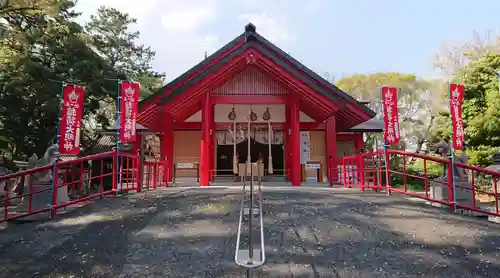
(235, 65)
(282, 72)
(317, 82)
(201, 69)
(188, 112)
(360, 113)
(211, 81)
(320, 110)
(304, 92)
(178, 106)
(244, 99)
(225, 126)
(145, 112)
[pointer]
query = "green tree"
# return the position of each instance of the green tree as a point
(110, 33)
(45, 49)
(415, 99)
(480, 109)
(42, 46)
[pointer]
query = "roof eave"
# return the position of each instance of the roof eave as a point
(195, 68)
(315, 76)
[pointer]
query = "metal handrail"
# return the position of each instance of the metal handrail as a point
(250, 264)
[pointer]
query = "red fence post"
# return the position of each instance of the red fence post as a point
(54, 192)
(450, 187)
(6, 204)
(387, 170)
(361, 171)
(495, 190)
(344, 169)
(114, 180)
(30, 197)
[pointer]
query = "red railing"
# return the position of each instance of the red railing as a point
(32, 192)
(477, 189)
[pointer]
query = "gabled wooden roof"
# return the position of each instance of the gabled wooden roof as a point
(232, 58)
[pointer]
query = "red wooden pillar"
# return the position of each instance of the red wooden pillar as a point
(168, 135)
(213, 139)
(206, 123)
(167, 147)
(295, 142)
(287, 143)
(358, 142)
(136, 145)
(331, 150)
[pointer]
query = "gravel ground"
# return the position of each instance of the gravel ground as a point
(309, 233)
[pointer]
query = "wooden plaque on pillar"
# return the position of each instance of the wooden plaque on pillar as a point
(316, 164)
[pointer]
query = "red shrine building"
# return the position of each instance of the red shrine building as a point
(251, 89)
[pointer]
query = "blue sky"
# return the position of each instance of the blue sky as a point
(334, 36)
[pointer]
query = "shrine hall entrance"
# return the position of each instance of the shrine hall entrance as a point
(224, 156)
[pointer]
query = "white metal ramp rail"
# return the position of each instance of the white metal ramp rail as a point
(250, 258)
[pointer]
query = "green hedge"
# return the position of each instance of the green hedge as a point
(413, 183)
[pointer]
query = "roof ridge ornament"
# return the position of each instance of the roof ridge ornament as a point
(251, 59)
(250, 28)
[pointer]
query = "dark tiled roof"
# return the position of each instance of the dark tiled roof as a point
(268, 49)
(374, 125)
(138, 127)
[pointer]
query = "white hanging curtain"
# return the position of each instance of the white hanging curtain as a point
(261, 136)
(229, 137)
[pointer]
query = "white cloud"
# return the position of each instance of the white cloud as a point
(187, 16)
(315, 5)
(137, 9)
(273, 28)
(177, 29)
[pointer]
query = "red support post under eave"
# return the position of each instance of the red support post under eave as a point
(206, 123)
(213, 139)
(331, 150)
(358, 142)
(295, 142)
(287, 142)
(167, 147)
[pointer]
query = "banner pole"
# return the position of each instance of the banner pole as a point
(52, 211)
(387, 163)
(452, 152)
(118, 132)
(385, 148)
(270, 162)
(235, 162)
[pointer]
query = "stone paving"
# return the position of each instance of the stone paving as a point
(310, 232)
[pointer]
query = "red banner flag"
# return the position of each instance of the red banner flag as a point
(129, 92)
(457, 125)
(391, 118)
(71, 116)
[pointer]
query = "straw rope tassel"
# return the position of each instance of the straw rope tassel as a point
(235, 158)
(270, 164)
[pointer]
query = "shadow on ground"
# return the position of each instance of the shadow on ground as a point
(309, 233)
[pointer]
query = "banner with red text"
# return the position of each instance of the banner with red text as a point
(71, 116)
(457, 125)
(129, 92)
(391, 118)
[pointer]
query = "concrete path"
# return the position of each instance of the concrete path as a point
(310, 232)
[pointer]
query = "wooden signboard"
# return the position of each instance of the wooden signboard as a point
(311, 164)
(186, 165)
